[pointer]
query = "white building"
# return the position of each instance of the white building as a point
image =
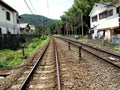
(32, 27)
(8, 19)
(104, 20)
(24, 28)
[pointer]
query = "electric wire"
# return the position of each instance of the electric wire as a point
(48, 8)
(28, 6)
(32, 6)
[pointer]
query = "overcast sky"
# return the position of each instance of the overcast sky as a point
(54, 9)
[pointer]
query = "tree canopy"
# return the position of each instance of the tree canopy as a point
(76, 19)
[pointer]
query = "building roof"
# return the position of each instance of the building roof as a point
(104, 3)
(111, 4)
(23, 25)
(7, 6)
(32, 26)
(99, 3)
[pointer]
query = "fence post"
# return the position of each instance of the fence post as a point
(80, 52)
(69, 45)
(23, 52)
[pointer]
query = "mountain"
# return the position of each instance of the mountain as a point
(36, 19)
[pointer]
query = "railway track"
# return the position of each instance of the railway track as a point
(41, 74)
(50, 72)
(29, 65)
(44, 76)
(109, 57)
(44, 73)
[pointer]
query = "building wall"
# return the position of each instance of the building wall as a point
(109, 22)
(97, 9)
(5, 24)
(107, 35)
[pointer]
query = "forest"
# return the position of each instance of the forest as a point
(36, 20)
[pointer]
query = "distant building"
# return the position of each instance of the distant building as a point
(24, 28)
(32, 27)
(105, 20)
(9, 19)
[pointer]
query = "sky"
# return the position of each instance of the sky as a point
(49, 8)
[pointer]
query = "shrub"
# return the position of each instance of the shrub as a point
(13, 58)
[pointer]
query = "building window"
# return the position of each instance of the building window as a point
(18, 21)
(103, 15)
(94, 18)
(8, 16)
(0, 31)
(110, 13)
(118, 10)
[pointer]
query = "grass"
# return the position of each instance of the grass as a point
(84, 39)
(10, 58)
(37, 43)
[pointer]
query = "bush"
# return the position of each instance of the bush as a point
(13, 58)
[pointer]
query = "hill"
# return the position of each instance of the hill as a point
(36, 19)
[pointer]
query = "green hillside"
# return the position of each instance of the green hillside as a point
(36, 20)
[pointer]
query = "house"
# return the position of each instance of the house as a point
(105, 20)
(32, 27)
(9, 19)
(24, 28)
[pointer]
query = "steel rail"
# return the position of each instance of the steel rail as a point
(117, 55)
(102, 58)
(57, 66)
(24, 84)
(73, 42)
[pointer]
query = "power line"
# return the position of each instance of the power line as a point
(48, 8)
(28, 6)
(32, 6)
(30, 9)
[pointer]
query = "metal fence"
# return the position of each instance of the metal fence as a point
(11, 41)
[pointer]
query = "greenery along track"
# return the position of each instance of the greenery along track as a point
(10, 58)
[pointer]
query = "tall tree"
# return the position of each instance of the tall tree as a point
(76, 19)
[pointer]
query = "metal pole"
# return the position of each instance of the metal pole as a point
(69, 45)
(82, 22)
(57, 68)
(80, 52)
(23, 52)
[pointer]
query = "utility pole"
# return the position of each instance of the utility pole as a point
(66, 26)
(42, 27)
(82, 22)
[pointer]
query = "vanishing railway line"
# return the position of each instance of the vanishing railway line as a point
(45, 72)
(48, 72)
(110, 57)
(44, 76)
